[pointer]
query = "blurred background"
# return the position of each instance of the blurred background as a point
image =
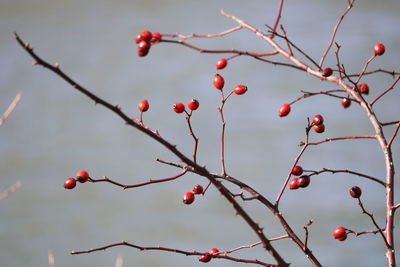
(56, 131)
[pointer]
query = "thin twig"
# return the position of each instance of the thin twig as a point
(347, 171)
(371, 216)
(10, 190)
(394, 135)
(321, 61)
(340, 138)
(385, 92)
(151, 181)
(178, 251)
(193, 35)
(10, 108)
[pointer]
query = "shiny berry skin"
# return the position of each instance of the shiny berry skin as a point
(144, 46)
(207, 258)
(69, 183)
(204, 258)
(198, 189)
(379, 49)
(304, 181)
(284, 110)
(240, 89)
(297, 170)
(221, 63)
(142, 53)
(178, 107)
(193, 104)
(355, 192)
(138, 38)
(156, 37)
(143, 105)
(346, 102)
(294, 184)
(327, 72)
(146, 36)
(188, 198)
(82, 176)
(219, 81)
(320, 128)
(363, 88)
(340, 233)
(318, 119)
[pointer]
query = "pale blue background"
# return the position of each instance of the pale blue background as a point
(56, 131)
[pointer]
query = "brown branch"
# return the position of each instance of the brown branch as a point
(193, 35)
(195, 138)
(10, 108)
(321, 61)
(385, 92)
(394, 135)
(371, 216)
(340, 138)
(297, 158)
(306, 226)
(389, 123)
(151, 181)
(200, 170)
(286, 40)
(307, 94)
(178, 251)
(392, 73)
(278, 17)
(347, 171)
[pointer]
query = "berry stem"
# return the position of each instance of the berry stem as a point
(196, 139)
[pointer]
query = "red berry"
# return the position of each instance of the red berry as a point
(146, 36)
(355, 192)
(327, 72)
(346, 102)
(297, 170)
(204, 258)
(221, 63)
(70, 183)
(197, 189)
(213, 251)
(340, 233)
(320, 128)
(142, 53)
(138, 38)
(156, 37)
(193, 104)
(240, 89)
(219, 81)
(318, 119)
(188, 198)
(284, 110)
(144, 46)
(304, 181)
(363, 88)
(379, 49)
(294, 183)
(143, 105)
(207, 258)
(178, 107)
(82, 176)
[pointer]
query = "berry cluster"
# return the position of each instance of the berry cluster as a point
(145, 39)
(188, 197)
(81, 176)
(207, 258)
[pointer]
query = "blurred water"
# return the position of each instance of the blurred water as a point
(55, 131)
